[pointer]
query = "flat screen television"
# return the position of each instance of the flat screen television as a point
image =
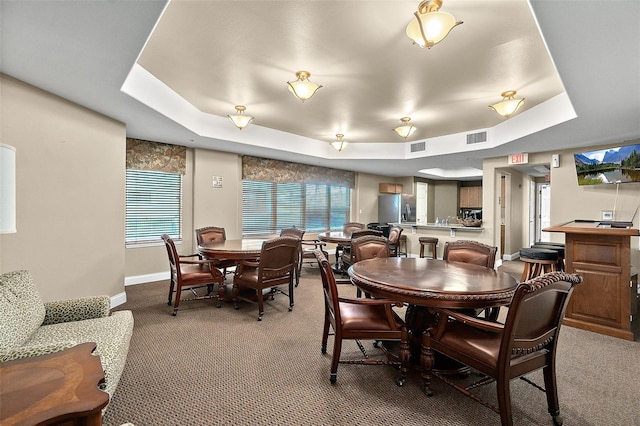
(612, 165)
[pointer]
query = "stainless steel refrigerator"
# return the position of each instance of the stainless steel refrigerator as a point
(396, 208)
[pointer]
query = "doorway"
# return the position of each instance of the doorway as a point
(543, 210)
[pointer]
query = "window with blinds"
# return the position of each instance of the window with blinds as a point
(268, 207)
(154, 206)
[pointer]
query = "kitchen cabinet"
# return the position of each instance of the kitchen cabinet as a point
(390, 188)
(470, 196)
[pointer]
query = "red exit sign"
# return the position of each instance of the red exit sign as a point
(522, 158)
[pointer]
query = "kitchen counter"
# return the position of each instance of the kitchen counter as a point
(452, 228)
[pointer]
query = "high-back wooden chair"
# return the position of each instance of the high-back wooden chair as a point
(469, 251)
(348, 228)
(369, 247)
(394, 240)
(276, 267)
(347, 259)
(210, 234)
(360, 319)
(477, 253)
(187, 273)
(297, 233)
(526, 342)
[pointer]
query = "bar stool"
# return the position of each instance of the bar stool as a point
(403, 247)
(537, 261)
(555, 247)
(430, 242)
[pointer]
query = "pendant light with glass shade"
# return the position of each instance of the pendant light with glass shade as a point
(430, 26)
(339, 144)
(302, 88)
(406, 129)
(509, 105)
(239, 118)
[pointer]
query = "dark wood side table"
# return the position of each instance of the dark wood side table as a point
(55, 389)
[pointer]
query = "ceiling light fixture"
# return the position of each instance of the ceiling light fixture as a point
(302, 88)
(430, 26)
(239, 119)
(508, 105)
(406, 129)
(339, 144)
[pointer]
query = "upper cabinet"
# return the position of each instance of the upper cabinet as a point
(390, 188)
(471, 196)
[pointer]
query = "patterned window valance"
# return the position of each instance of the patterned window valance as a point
(263, 169)
(156, 156)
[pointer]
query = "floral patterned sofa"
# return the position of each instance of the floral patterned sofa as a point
(29, 327)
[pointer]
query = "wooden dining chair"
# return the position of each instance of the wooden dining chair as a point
(369, 247)
(348, 228)
(297, 233)
(360, 319)
(187, 272)
(526, 342)
(469, 251)
(474, 252)
(346, 259)
(276, 267)
(209, 234)
(395, 232)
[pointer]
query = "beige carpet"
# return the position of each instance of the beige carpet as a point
(211, 366)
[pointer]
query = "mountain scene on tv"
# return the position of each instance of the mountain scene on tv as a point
(613, 165)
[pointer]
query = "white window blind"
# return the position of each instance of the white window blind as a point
(268, 207)
(154, 206)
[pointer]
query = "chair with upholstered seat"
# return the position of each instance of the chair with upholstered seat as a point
(211, 234)
(537, 261)
(347, 258)
(355, 319)
(395, 232)
(295, 233)
(191, 274)
(469, 251)
(526, 342)
(476, 253)
(369, 247)
(348, 228)
(308, 248)
(276, 267)
(432, 243)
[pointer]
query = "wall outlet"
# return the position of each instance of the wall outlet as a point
(607, 214)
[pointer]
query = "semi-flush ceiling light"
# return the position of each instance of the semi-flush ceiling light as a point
(302, 88)
(508, 105)
(430, 26)
(239, 119)
(339, 144)
(406, 129)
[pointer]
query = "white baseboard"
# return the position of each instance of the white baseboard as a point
(147, 278)
(514, 256)
(118, 299)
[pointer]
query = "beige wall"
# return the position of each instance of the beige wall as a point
(445, 201)
(568, 200)
(71, 184)
(70, 173)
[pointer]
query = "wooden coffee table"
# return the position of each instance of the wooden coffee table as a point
(52, 389)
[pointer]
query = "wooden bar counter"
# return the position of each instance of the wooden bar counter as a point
(607, 300)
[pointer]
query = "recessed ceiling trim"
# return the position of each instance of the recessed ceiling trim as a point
(147, 89)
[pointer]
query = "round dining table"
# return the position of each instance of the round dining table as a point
(424, 283)
(433, 282)
(245, 249)
(335, 237)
